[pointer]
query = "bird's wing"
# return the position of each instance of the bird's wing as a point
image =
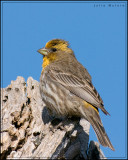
(81, 88)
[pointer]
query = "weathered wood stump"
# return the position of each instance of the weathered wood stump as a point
(28, 131)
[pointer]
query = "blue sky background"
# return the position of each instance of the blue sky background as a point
(96, 33)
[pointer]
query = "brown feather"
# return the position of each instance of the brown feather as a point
(100, 133)
(93, 117)
(81, 88)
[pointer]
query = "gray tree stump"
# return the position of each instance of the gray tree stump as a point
(28, 130)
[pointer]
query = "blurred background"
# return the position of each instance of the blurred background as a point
(96, 32)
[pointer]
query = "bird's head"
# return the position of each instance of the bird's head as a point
(55, 50)
(55, 47)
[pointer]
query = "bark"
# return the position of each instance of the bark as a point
(28, 131)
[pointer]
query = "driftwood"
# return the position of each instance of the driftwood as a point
(28, 131)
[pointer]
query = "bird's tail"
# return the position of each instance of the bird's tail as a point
(101, 134)
(92, 115)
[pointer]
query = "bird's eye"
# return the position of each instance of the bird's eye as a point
(54, 49)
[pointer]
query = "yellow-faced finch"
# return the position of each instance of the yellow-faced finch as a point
(66, 87)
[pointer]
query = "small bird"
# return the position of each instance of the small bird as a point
(67, 90)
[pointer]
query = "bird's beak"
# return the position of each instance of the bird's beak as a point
(43, 51)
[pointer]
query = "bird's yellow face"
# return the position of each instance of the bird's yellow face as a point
(53, 47)
(52, 51)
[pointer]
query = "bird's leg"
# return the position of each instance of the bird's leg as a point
(60, 123)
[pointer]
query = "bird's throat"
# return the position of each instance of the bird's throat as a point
(48, 59)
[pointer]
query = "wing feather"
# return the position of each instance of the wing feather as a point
(79, 87)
